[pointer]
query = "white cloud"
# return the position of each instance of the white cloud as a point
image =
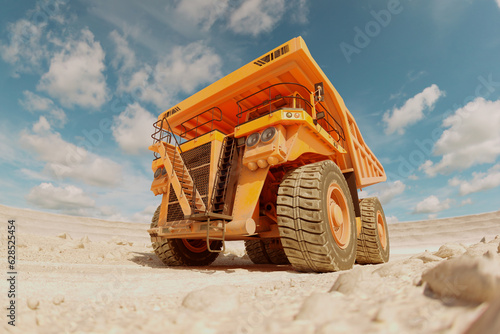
(386, 192)
(145, 215)
(65, 160)
(75, 76)
(182, 71)
(42, 125)
(254, 17)
(389, 190)
(498, 3)
(472, 138)
(33, 102)
(412, 111)
(24, 49)
(466, 202)
(432, 204)
(248, 17)
(69, 199)
(125, 57)
(132, 129)
(111, 213)
(202, 12)
(299, 11)
(32, 175)
(479, 181)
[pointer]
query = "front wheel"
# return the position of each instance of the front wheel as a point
(316, 218)
(183, 252)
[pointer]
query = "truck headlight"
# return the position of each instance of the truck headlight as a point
(268, 134)
(157, 173)
(253, 139)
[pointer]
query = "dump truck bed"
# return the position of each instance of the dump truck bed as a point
(289, 63)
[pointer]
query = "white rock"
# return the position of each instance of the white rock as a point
(57, 300)
(213, 299)
(400, 269)
(280, 327)
(78, 245)
(480, 249)
(41, 320)
(342, 326)
(321, 308)
(450, 250)
(427, 257)
(490, 255)
(65, 236)
(348, 282)
(465, 278)
(85, 239)
(33, 303)
(21, 244)
(488, 322)
(120, 242)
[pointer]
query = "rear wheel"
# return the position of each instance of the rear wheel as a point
(373, 242)
(266, 251)
(183, 252)
(316, 218)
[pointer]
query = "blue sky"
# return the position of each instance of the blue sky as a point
(82, 82)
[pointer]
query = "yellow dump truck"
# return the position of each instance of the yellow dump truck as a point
(271, 155)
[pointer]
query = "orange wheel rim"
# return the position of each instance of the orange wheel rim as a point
(382, 234)
(195, 245)
(339, 216)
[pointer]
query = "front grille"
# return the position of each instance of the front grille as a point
(198, 156)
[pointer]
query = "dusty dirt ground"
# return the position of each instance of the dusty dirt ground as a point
(82, 275)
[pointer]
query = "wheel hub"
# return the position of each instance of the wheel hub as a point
(382, 235)
(338, 215)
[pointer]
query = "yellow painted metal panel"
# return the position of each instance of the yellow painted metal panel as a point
(290, 62)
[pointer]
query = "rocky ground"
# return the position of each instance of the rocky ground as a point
(79, 275)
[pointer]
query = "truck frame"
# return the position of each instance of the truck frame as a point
(271, 155)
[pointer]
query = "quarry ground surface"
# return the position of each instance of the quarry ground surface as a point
(82, 275)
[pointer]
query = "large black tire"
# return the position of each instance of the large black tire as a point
(175, 252)
(373, 242)
(307, 218)
(266, 251)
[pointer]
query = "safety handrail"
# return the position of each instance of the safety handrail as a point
(337, 128)
(214, 118)
(158, 136)
(328, 126)
(241, 111)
